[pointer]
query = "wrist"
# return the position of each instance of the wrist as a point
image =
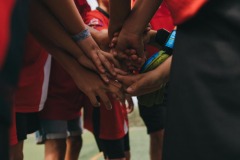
(81, 35)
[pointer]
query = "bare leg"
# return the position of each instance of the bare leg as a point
(128, 155)
(55, 149)
(156, 145)
(16, 151)
(74, 145)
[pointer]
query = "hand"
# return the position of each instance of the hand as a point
(147, 82)
(92, 51)
(95, 88)
(87, 63)
(102, 39)
(128, 40)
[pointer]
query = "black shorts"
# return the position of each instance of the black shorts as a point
(153, 117)
(112, 149)
(26, 123)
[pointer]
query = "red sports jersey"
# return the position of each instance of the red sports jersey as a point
(184, 10)
(161, 19)
(64, 98)
(113, 123)
(5, 18)
(34, 76)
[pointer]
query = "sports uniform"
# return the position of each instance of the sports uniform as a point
(203, 117)
(110, 127)
(31, 94)
(154, 116)
(13, 32)
(60, 117)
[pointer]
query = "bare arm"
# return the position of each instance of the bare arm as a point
(87, 81)
(147, 82)
(119, 11)
(131, 35)
(65, 11)
(43, 24)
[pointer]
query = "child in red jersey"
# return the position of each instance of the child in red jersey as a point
(60, 120)
(110, 127)
(30, 96)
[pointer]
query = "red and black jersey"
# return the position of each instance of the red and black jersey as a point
(64, 99)
(162, 19)
(113, 124)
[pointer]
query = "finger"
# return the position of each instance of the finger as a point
(133, 51)
(134, 57)
(119, 71)
(105, 100)
(116, 34)
(111, 58)
(106, 63)
(126, 80)
(115, 83)
(122, 55)
(113, 42)
(93, 100)
(139, 88)
(117, 91)
(113, 52)
(86, 62)
(96, 60)
(104, 77)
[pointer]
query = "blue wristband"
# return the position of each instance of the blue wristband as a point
(81, 36)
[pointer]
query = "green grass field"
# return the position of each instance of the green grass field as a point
(139, 143)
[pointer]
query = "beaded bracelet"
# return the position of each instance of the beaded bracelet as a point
(81, 35)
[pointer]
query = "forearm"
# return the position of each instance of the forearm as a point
(119, 11)
(140, 16)
(163, 70)
(66, 12)
(43, 24)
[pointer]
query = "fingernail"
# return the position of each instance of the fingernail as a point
(130, 89)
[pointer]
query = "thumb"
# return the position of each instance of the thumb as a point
(135, 88)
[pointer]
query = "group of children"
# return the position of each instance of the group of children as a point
(49, 102)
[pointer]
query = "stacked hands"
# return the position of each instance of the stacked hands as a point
(102, 63)
(117, 66)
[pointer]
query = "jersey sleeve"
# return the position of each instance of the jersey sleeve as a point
(95, 20)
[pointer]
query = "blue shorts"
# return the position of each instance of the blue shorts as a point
(58, 129)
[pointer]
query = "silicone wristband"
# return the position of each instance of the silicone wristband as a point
(81, 36)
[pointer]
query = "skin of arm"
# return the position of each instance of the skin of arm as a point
(119, 11)
(54, 32)
(87, 81)
(147, 82)
(66, 12)
(131, 35)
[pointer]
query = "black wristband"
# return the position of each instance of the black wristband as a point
(162, 36)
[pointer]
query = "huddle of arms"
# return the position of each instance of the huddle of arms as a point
(100, 63)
